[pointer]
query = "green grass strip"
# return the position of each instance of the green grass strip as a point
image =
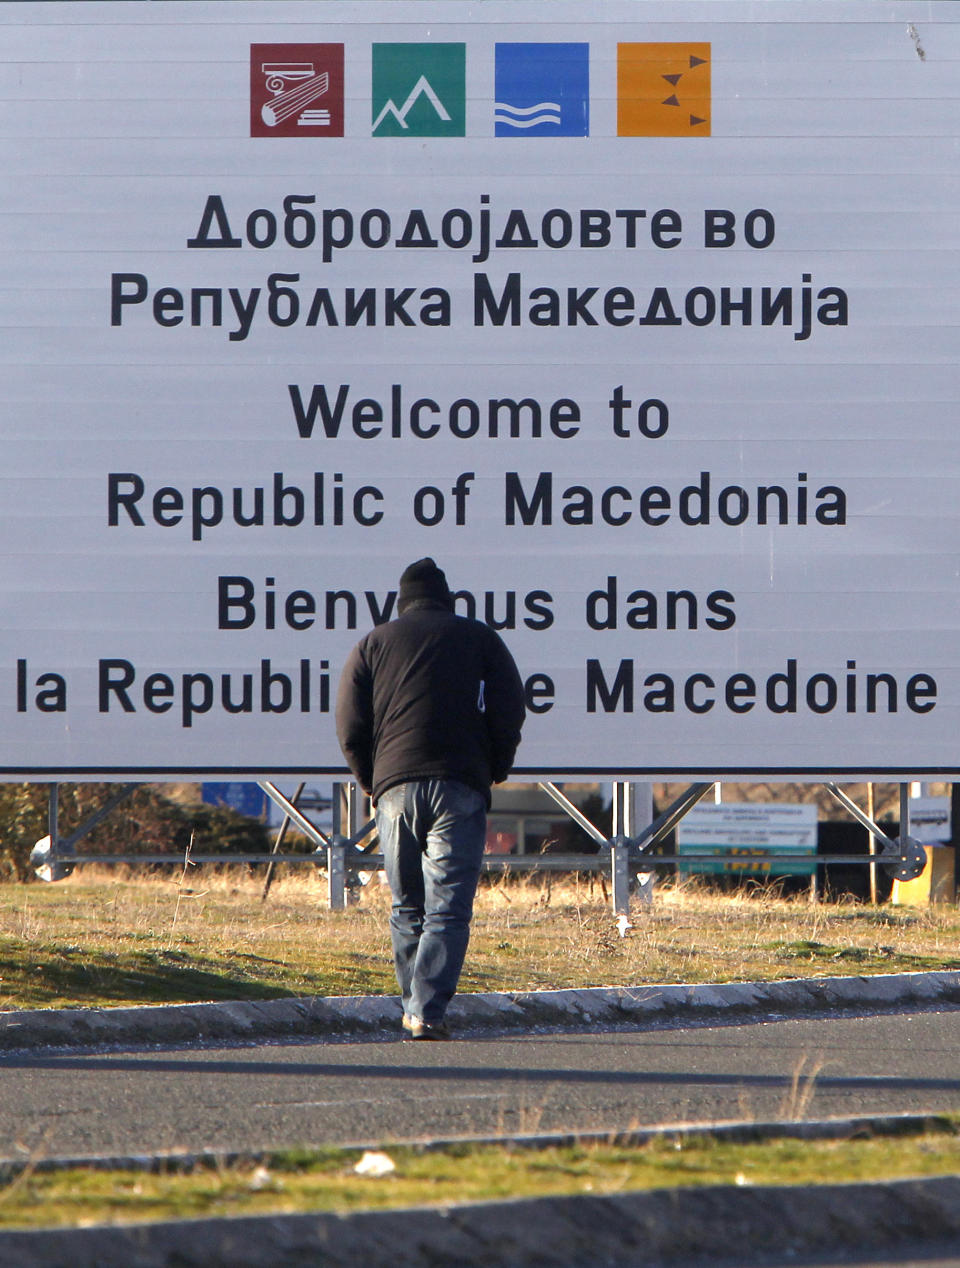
(305, 1180)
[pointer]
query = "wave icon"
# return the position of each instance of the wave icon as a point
(544, 112)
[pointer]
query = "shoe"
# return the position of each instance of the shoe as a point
(417, 1028)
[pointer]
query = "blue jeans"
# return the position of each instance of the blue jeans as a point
(432, 833)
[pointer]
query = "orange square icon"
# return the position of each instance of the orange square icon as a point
(663, 89)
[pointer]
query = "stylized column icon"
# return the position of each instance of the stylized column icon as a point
(287, 102)
(293, 100)
(296, 90)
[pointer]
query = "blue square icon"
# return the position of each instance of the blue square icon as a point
(542, 90)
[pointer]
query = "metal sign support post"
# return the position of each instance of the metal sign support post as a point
(333, 849)
(619, 843)
(573, 811)
(293, 814)
(342, 811)
(332, 845)
(633, 807)
(622, 811)
(278, 844)
(620, 875)
(53, 822)
(904, 858)
(53, 858)
(668, 820)
(346, 838)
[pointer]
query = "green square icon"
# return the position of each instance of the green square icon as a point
(419, 90)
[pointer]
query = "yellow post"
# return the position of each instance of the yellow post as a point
(936, 883)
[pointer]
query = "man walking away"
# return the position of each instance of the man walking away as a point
(429, 712)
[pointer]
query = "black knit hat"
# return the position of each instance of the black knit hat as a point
(423, 580)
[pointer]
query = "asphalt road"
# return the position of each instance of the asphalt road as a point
(916, 1256)
(276, 1094)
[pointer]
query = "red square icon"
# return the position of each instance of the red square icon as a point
(296, 90)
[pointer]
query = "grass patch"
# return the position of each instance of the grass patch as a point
(325, 1180)
(109, 940)
(880, 959)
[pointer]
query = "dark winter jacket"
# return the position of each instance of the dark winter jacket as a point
(430, 695)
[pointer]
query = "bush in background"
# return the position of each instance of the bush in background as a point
(147, 822)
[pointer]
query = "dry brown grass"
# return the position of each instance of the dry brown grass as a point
(566, 936)
(100, 937)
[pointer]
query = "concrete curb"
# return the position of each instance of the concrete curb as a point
(365, 1017)
(687, 1227)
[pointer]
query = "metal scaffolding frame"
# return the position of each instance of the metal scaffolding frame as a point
(350, 846)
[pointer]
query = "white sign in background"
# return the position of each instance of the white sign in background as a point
(663, 626)
(748, 823)
(930, 819)
(734, 831)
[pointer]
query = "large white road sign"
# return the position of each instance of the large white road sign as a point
(641, 318)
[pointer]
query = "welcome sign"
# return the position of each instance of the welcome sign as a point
(642, 322)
